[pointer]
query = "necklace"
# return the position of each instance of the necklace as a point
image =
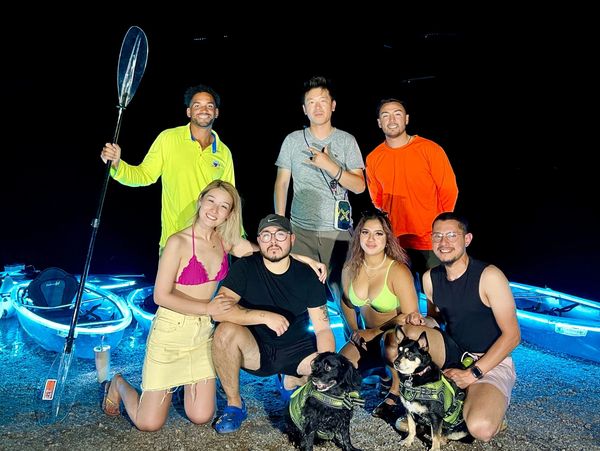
(373, 268)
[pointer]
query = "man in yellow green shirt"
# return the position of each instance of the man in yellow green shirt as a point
(187, 158)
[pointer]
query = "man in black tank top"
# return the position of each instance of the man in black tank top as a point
(474, 302)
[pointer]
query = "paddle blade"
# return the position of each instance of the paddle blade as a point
(132, 64)
(57, 391)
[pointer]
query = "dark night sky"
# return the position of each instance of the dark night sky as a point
(502, 104)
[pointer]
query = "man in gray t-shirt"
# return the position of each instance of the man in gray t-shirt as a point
(325, 163)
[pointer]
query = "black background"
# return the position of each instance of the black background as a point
(502, 94)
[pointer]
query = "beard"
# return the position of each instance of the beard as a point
(202, 123)
(275, 258)
(393, 133)
(449, 260)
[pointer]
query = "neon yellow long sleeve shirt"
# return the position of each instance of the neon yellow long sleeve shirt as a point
(185, 169)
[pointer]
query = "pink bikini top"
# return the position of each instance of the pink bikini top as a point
(195, 273)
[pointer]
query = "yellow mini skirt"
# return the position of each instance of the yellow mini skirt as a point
(178, 351)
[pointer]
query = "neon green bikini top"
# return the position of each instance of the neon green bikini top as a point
(384, 302)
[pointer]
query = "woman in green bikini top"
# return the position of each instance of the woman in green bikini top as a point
(379, 292)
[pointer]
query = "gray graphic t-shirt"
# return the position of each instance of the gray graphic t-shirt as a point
(313, 203)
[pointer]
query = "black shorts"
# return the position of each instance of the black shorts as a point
(275, 359)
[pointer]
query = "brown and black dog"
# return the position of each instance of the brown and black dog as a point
(429, 397)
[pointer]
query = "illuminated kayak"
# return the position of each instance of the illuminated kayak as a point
(11, 276)
(558, 321)
(103, 318)
(141, 303)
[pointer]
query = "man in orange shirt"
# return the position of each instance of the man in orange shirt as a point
(411, 179)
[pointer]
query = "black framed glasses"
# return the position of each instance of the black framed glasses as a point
(280, 235)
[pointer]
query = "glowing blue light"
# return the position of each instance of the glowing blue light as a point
(129, 283)
(50, 334)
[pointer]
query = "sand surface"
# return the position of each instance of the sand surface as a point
(555, 406)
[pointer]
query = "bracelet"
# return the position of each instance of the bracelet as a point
(338, 176)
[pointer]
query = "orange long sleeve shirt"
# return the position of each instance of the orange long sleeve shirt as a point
(413, 184)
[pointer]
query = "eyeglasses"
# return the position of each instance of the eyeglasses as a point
(280, 235)
(437, 237)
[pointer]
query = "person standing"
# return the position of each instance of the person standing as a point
(266, 332)
(474, 301)
(187, 158)
(324, 163)
(410, 178)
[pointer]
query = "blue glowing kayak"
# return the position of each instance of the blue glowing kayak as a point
(103, 318)
(558, 321)
(142, 305)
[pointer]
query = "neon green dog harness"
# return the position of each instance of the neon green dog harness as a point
(308, 390)
(441, 391)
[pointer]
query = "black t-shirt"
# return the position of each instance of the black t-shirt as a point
(289, 294)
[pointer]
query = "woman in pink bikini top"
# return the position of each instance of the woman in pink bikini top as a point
(178, 349)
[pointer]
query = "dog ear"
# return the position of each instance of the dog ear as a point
(399, 334)
(423, 342)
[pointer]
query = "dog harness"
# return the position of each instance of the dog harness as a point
(440, 391)
(300, 396)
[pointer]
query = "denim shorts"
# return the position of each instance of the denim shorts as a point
(178, 351)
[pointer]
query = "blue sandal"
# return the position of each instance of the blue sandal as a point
(284, 392)
(232, 419)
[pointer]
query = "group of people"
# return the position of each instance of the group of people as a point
(215, 319)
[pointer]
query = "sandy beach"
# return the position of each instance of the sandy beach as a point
(554, 407)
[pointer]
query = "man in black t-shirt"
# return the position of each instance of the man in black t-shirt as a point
(267, 332)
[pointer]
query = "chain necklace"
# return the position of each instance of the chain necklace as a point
(373, 268)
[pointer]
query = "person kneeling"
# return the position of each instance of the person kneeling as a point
(266, 333)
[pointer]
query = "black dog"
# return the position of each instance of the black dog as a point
(324, 405)
(427, 394)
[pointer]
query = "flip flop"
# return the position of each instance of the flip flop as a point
(109, 407)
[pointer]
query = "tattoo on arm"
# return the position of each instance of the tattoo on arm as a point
(243, 309)
(325, 313)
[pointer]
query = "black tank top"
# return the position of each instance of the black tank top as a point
(469, 322)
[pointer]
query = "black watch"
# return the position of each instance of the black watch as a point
(476, 371)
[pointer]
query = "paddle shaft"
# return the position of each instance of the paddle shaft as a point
(95, 226)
